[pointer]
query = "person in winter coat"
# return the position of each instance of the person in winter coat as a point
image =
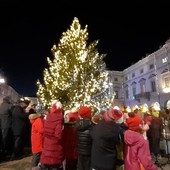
(166, 132)
(84, 126)
(154, 133)
(6, 121)
(19, 117)
(37, 122)
(52, 153)
(70, 139)
(136, 149)
(134, 121)
(27, 137)
(105, 138)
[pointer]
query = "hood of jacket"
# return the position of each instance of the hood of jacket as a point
(34, 116)
(133, 138)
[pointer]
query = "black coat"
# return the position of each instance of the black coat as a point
(105, 136)
(84, 127)
(19, 117)
(5, 115)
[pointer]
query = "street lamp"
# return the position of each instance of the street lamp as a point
(2, 80)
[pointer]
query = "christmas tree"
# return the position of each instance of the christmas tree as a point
(77, 75)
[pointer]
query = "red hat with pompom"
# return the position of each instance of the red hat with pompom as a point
(85, 112)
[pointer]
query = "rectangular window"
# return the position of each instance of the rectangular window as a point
(141, 71)
(134, 90)
(133, 74)
(142, 88)
(115, 79)
(153, 86)
(127, 94)
(116, 94)
(164, 60)
(167, 82)
(151, 66)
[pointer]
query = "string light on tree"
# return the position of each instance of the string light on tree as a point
(77, 74)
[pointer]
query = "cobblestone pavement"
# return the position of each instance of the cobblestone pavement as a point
(25, 164)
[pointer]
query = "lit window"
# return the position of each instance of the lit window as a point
(164, 60)
(167, 82)
(142, 85)
(116, 94)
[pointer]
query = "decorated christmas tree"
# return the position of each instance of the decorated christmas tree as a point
(77, 74)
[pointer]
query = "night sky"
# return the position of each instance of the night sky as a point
(127, 32)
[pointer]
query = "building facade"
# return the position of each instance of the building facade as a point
(6, 90)
(145, 82)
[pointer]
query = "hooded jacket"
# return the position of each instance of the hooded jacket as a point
(137, 152)
(52, 152)
(36, 132)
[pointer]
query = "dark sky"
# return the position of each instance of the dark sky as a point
(126, 33)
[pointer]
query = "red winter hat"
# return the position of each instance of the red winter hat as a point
(85, 112)
(134, 123)
(73, 117)
(112, 115)
(148, 119)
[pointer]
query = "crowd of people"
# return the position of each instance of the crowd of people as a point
(79, 139)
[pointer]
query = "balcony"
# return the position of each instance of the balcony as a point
(145, 95)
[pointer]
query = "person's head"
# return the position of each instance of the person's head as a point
(167, 110)
(24, 103)
(135, 123)
(113, 115)
(32, 104)
(97, 118)
(71, 116)
(155, 113)
(85, 112)
(131, 114)
(56, 107)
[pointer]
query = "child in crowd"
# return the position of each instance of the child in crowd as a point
(136, 151)
(84, 126)
(52, 156)
(36, 120)
(70, 139)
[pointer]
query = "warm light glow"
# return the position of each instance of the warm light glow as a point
(166, 90)
(135, 107)
(2, 80)
(144, 108)
(156, 106)
(128, 109)
(116, 107)
(76, 75)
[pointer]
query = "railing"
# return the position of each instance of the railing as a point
(145, 95)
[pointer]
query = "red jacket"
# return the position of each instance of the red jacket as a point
(52, 153)
(37, 135)
(70, 141)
